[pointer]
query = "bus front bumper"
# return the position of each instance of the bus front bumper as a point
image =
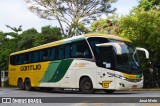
(125, 84)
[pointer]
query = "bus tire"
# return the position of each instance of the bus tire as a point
(109, 91)
(28, 86)
(20, 84)
(86, 85)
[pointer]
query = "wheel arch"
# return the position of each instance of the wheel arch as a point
(19, 78)
(20, 84)
(87, 76)
(29, 79)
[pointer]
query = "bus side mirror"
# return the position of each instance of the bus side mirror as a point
(143, 49)
(117, 46)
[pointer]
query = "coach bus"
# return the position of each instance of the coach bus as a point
(87, 62)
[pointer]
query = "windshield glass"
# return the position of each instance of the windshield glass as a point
(128, 61)
(106, 57)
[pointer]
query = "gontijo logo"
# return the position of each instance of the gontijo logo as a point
(30, 67)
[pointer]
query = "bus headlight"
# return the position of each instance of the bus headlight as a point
(121, 77)
(116, 75)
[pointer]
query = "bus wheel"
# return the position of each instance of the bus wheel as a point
(109, 91)
(20, 84)
(28, 84)
(86, 86)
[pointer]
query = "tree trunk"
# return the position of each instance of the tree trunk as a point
(61, 26)
(56, 14)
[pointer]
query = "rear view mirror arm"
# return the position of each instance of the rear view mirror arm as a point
(117, 46)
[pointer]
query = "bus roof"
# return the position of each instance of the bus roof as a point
(64, 41)
(108, 36)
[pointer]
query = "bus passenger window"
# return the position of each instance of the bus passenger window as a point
(61, 51)
(45, 55)
(80, 50)
(26, 58)
(74, 50)
(52, 55)
(35, 56)
(18, 61)
(22, 59)
(67, 51)
(12, 60)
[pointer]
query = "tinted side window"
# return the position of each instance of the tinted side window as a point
(18, 59)
(104, 55)
(61, 52)
(45, 54)
(27, 58)
(80, 50)
(12, 60)
(74, 50)
(67, 51)
(35, 56)
(52, 55)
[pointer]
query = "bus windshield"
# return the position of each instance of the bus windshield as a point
(128, 61)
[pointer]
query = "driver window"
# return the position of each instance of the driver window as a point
(104, 55)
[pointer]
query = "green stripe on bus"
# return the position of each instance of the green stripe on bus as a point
(52, 67)
(61, 70)
(56, 70)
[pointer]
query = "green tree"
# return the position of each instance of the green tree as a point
(27, 39)
(2, 38)
(70, 12)
(148, 4)
(80, 29)
(49, 34)
(109, 25)
(99, 26)
(7, 46)
(143, 28)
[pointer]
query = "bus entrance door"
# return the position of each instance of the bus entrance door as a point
(106, 62)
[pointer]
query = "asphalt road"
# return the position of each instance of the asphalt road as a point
(120, 98)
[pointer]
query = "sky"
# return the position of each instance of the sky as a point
(15, 13)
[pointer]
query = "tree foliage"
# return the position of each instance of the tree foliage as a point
(79, 30)
(51, 34)
(70, 12)
(148, 4)
(109, 25)
(27, 39)
(7, 46)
